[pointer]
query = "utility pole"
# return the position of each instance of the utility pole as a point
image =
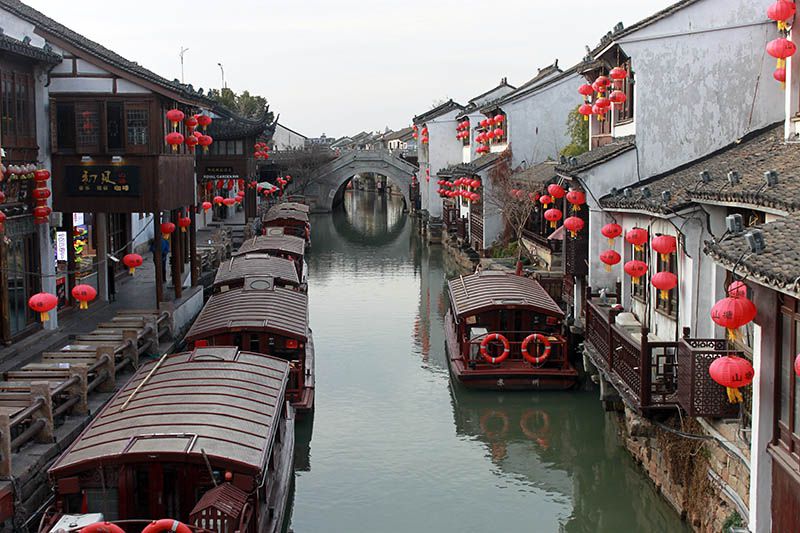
(222, 71)
(183, 51)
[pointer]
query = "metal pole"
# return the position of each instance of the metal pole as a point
(183, 51)
(222, 71)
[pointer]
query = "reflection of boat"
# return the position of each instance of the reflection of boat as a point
(502, 332)
(204, 438)
(304, 430)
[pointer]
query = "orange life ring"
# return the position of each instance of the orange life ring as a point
(494, 414)
(485, 353)
(540, 435)
(537, 338)
(167, 525)
(102, 527)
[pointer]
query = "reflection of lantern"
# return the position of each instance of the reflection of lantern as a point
(637, 237)
(664, 245)
(664, 282)
(732, 372)
(42, 303)
(132, 261)
(84, 294)
(553, 216)
(635, 269)
(732, 313)
(573, 225)
(611, 232)
(610, 258)
(167, 229)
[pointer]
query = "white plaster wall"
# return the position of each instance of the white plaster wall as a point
(443, 150)
(126, 87)
(286, 139)
(81, 85)
(17, 28)
(537, 122)
(85, 67)
(141, 231)
(496, 93)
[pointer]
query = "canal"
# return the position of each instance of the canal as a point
(397, 447)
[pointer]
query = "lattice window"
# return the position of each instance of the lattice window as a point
(137, 125)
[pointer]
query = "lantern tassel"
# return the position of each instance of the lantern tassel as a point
(611, 242)
(635, 281)
(576, 207)
(132, 271)
(733, 334)
(638, 247)
(734, 395)
(83, 305)
(165, 235)
(664, 294)
(44, 316)
(553, 224)
(608, 268)
(664, 257)
(183, 230)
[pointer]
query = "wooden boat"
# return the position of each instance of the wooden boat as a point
(204, 438)
(285, 246)
(502, 332)
(293, 204)
(267, 319)
(257, 268)
(293, 221)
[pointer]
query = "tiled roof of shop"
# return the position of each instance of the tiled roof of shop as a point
(229, 126)
(597, 156)
(469, 168)
(778, 266)
(441, 109)
(536, 175)
(58, 30)
(25, 49)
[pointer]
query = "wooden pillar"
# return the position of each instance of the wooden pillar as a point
(193, 248)
(176, 259)
(157, 257)
(101, 260)
(71, 276)
(5, 313)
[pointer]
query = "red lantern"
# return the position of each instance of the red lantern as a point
(84, 294)
(553, 216)
(191, 141)
(585, 110)
(490, 134)
(206, 206)
(780, 74)
(732, 372)
(586, 90)
(635, 269)
(599, 111)
(167, 229)
(229, 201)
(41, 194)
(42, 303)
(498, 119)
(737, 289)
(603, 102)
(556, 191)
(545, 200)
(732, 313)
(610, 258)
(664, 282)
(2, 222)
(174, 139)
(797, 365)
(41, 176)
(602, 82)
(3, 196)
(498, 133)
(781, 48)
(42, 211)
(132, 261)
(184, 222)
(617, 98)
(190, 123)
(425, 140)
(204, 121)
(780, 12)
(611, 232)
(218, 200)
(637, 237)
(618, 74)
(576, 198)
(205, 141)
(175, 116)
(664, 245)
(573, 225)
(475, 184)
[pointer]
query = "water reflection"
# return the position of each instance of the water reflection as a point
(396, 447)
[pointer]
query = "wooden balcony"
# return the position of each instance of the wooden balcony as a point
(653, 375)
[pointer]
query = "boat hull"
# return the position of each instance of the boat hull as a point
(282, 478)
(509, 375)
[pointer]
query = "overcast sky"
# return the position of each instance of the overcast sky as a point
(343, 66)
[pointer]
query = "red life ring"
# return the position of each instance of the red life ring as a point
(166, 525)
(102, 527)
(485, 353)
(537, 338)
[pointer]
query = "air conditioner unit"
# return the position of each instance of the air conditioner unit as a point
(734, 223)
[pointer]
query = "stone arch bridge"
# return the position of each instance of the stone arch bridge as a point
(327, 183)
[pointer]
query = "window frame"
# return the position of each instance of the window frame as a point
(17, 106)
(625, 113)
(787, 437)
(639, 290)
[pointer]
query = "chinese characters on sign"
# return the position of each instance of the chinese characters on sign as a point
(103, 181)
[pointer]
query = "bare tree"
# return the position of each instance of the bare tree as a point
(511, 200)
(302, 166)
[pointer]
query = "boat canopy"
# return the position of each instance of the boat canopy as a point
(489, 290)
(215, 402)
(293, 206)
(248, 308)
(286, 214)
(252, 265)
(273, 243)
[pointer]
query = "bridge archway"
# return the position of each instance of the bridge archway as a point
(331, 179)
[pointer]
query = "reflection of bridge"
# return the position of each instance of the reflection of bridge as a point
(327, 183)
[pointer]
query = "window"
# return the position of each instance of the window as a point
(115, 126)
(17, 115)
(78, 126)
(65, 126)
(88, 127)
(639, 286)
(787, 430)
(668, 305)
(137, 117)
(625, 112)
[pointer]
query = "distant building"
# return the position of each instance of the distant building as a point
(287, 139)
(322, 140)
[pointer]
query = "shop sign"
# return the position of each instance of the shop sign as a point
(99, 180)
(77, 219)
(61, 245)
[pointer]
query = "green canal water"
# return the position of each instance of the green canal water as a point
(397, 447)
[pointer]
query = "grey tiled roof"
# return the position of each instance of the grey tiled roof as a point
(750, 156)
(47, 25)
(777, 267)
(599, 155)
(459, 169)
(229, 126)
(15, 46)
(446, 107)
(536, 175)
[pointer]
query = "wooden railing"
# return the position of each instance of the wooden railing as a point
(554, 245)
(698, 394)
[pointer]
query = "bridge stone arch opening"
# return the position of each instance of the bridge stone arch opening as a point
(330, 180)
